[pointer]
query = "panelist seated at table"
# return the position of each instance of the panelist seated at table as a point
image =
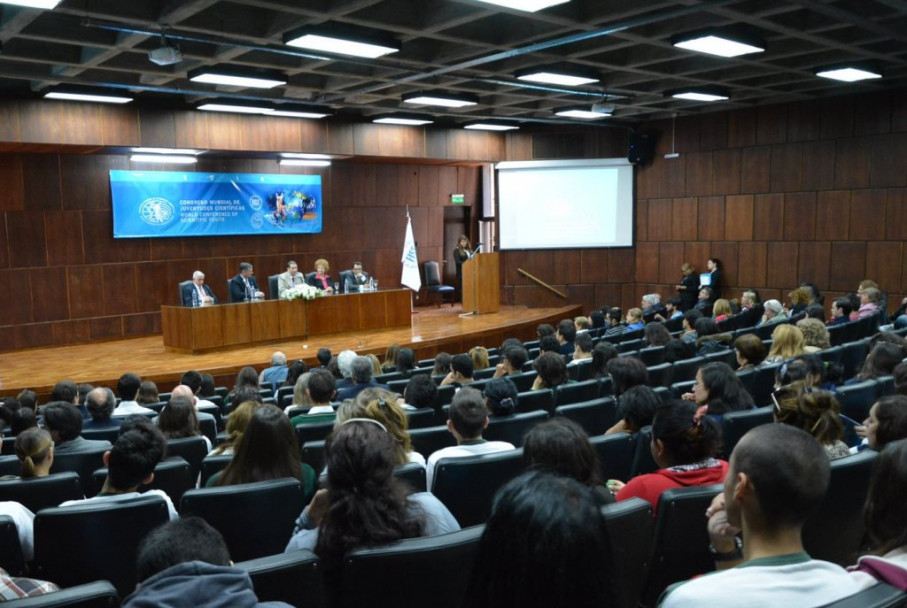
(354, 279)
(244, 287)
(320, 278)
(289, 279)
(197, 293)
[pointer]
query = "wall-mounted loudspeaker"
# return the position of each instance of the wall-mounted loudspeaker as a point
(641, 148)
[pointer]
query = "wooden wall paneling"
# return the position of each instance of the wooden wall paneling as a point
(799, 216)
(141, 324)
(364, 187)
(558, 145)
(867, 214)
(118, 126)
(106, 328)
(71, 332)
(852, 163)
(401, 141)
(340, 139)
(818, 166)
(752, 264)
(713, 131)
(836, 117)
(584, 295)
(42, 121)
(34, 335)
(236, 324)
(86, 180)
(42, 181)
(9, 121)
(80, 123)
(27, 247)
(192, 129)
(727, 166)
(313, 135)
(457, 144)
(593, 266)
(518, 146)
(18, 309)
(447, 183)
(783, 263)
(726, 251)
(83, 281)
(672, 177)
(101, 247)
(888, 160)
(621, 265)
(872, 114)
(63, 232)
(4, 242)
(896, 215)
(642, 220)
(468, 183)
(533, 296)
(12, 186)
(814, 263)
(741, 129)
(698, 179)
(768, 217)
(272, 134)
(786, 160)
(648, 179)
(568, 265)
(685, 218)
(833, 215)
(628, 297)
(429, 185)
(659, 214)
(607, 294)
(436, 143)
(756, 170)
(804, 121)
(157, 127)
(409, 184)
(687, 133)
(365, 138)
(170, 248)
(847, 267)
(738, 218)
(883, 265)
(904, 272)
(154, 286)
(541, 264)
(670, 257)
(771, 124)
(387, 185)
(119, 289)
(711, 218)
(647, 266)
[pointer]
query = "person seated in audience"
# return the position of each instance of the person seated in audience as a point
(268, 450)
(615, 324)
(320, 390)
(636, 407)
(501, 397)
(582, 324)
(672, 311)
(421, 392)
(100, 404)
(601, 356)
(678, 350)
(881, 361)
(178, 420)
(246, 377)
(549, 344)
(206, 389)
(815, 335)
(345, 367)
(17, 587)
(390, 359)
(719, 388)
(841, 309)
(689, 325)
(545, 329)
(22, 419)
(479, 356)
(750, 351)
(816, 311)
(381, 405)
(799, 300)
(468, 418)
(128, 387)
(582, 348)
(361, 377)
(685, 443)
(651, 305)
(900, 379)
(276, 374)
(237, 422)
(148, 393)
(709, 339)
(64, 422)
(23, 519)
(186, 564)
(376, 364)
(442, 365)
(294, 370)
(900, 315)
(721, 310)
(406, 361)
(814, 411)
(887, 421)
(301, 399)
(551, 370)
(320, 278)
(181, 390)
(460, 371)
(750, 308)
(778, 476)
(886, 521)
(773, 312)
(35, 450)
(565, 334)
(28, 398)
(364, 504)
(597, 319)
(870, 299)
(807, 368)
(324, 356)
(787, 342)
(626, 372)
(656, 334)
(561, 447)
(130, 464)
(513, 358)
(634, 320)
(704, 301)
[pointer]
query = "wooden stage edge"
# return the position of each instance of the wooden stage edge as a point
(100, 364)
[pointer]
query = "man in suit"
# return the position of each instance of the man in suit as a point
(355, 279)
(198, 293)
(244, 287)
(289, 279)
(64, 423)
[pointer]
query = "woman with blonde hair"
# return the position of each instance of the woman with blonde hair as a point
(237, 422)
(35, 450)
(321, 279)
(814, 411)
(787, 342)
(376, 365)
(390, 358)
(799, 299)
(381, 405)
(721, 310)
(815, 335)
(479, 356)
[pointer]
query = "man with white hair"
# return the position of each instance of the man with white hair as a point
(198, 294)
(651, 306)
(277, 373)
(345, 364)
(773, 313)
(361, 376)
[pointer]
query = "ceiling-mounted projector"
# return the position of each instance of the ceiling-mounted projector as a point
(165, 55)
(603, 108)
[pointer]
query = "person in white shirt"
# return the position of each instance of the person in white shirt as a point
(127, 388)
(467, 419)
(23, 519)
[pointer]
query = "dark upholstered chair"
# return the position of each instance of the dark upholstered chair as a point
(173, 476)
(629, 527)
(272, 287)
(467, 485)
(191, 449)
(734, 425)
(595, 416)
(39, 493)
(615, 451)
(294, 578)
(99, 594)
(82, 463)
(11, 558)
(211, 465)
(877, 596)
(566, 394)
(642, 456)
(434, 285)
(429, 440)
(513, 429)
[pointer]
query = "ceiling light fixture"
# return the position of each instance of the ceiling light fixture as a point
(848, 73)
(301, 162)
(490, 125)
(530, 6)
(72, 94)
(45, 4)
(427, 98)
(233, 107)
(291, 110)
(256, 79)
(581, 112)
(402, 119)
(553, 75)
(163, 158)
(715, 42)
(342, 40)
(305, 156)
(698, 94)
(179, 151)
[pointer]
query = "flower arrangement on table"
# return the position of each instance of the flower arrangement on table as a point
(304, 292)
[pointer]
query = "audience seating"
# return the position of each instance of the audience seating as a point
(853, 355)
(211, 465)
(629, 527)
(38, 493)
(764, 384)
(735, 425)
(173, 476)
(256, 519)
(207, 426)
(191, 449)
(312, 455)
(856, 399)
(765, 331)
(99, 594)
(388, 376)
(11, 558)
(747, 378)
(524, 380)
(886, 386)
(513, 429)
(653, 355)
(728, 356)
(9, 446)
(10, 465)
(430, 440)
(642, 456)
(595, 416)
(835, 531)
(445, 395)
(661, 375)
(398, 385)
(110, 434)
(680, 542)
(95, 540)
(467, 485)
(877, 596)
(615, 452)
(686, 369)
(421, 418)
(436, 570)
(679, 388)
(413, 474)
(576, 392)
(313, 431)
(294, 578)
(82, 463)
(484, 374)
(542, 399)
(581, 371)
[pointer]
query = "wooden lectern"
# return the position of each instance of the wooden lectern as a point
(482, 284)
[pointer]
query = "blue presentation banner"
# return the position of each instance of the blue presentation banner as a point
(172, 203)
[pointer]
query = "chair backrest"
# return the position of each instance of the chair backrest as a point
(576, 392)
(99, 594)
(467, 485)
(413, 473)
(432, 274)
(95, 540)
(421, 418)
(853, 355)
(256, 519)
(686, 369)
(524, 380)
(293, 577)
(652, 355)
(38, 493)
(437, 571)
(11, 558)
(629, 527)
(764, 384)
(191, 449)
(642, 453)
(184, 285)
(595, 416)
(880, 595)
(10, 465)
(445, 395)
(272, 286)
(109, 434)
(344, 275)
(211, 465)
(834, 532)
(9, 446)
(615, 452)
(735, 425)
(429, 440)
(530, 401)
(680, 542)
(313, 455)
(661, 375)
(172, 476)
(513, 429)
(857, 399)
(82, 463)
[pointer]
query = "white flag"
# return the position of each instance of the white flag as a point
(410, 260)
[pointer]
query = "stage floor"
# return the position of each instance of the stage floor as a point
(432, 331)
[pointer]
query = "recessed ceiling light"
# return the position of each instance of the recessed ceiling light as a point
(305, 156)
(490, 126)
(555, 76)
(695, 94)
(848, 74)
(297, 114)
(301, 162)
(721, 44)
(163, 158)
(181, 151)
(530, 6)
(402, 119)
(582, 113)
(233, 107)
(342, 40)
(440, 99)
(66, 95)
(257, 79)
(45, 4)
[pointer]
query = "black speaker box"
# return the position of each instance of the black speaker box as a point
(641, 148)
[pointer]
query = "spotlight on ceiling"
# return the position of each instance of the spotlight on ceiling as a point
(166, 54)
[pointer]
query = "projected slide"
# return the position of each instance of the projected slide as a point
(565, 204)
(171, 204)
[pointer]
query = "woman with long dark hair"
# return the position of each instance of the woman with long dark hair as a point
(718, 387)
(561, 446)
(179, 420)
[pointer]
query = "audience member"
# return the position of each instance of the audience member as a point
(634, 320)
(549, 344)
(128, 387)
(64, 422)
(376, 364)
(552, 371)
(704, 301)
(320, 389)
(276, 374)
(841, 309)
(719, 388)
(406, 361)
(479, 356)
(247, 377)
(656, 334)
(460, 371)
(390, 359)
(714, 281)
(615, 324)
(651, 305)
(815, 335)
(193, 379)
(361, 376)
(442, 364)
(626, 372)
(28, 398)
(294, 370)
(602, 354)
(100, 403)
(636, 407)
(148, 393)
(689, 325)
(381, 405)
(582, 324)
(721, 310)
(545, 329)
(501, 397)
(561, 446)
(787, 342)
(773, 312)
(324, 356)
(513, 358)
(582, 348)
(672, 311)
(23, 519)
(709, 339)
(887, 421)
(799, 299)
(750, 351)
(207, 389)
(870, 298)
(237, 422)
(178, 420)
(880, 361)
(421, 392)
(35, 450)
(17, 587)
(814, 411)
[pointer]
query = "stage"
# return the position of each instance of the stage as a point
(433, 330)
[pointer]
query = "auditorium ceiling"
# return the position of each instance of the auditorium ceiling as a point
(466, 48)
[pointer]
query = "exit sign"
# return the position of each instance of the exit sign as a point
(457, 199)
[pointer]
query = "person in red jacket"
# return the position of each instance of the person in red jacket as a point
(685, 441)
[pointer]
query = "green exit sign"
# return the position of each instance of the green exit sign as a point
(457, 199)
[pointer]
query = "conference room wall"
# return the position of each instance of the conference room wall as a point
(808, 191)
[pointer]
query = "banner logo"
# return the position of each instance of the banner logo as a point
(156, 211)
